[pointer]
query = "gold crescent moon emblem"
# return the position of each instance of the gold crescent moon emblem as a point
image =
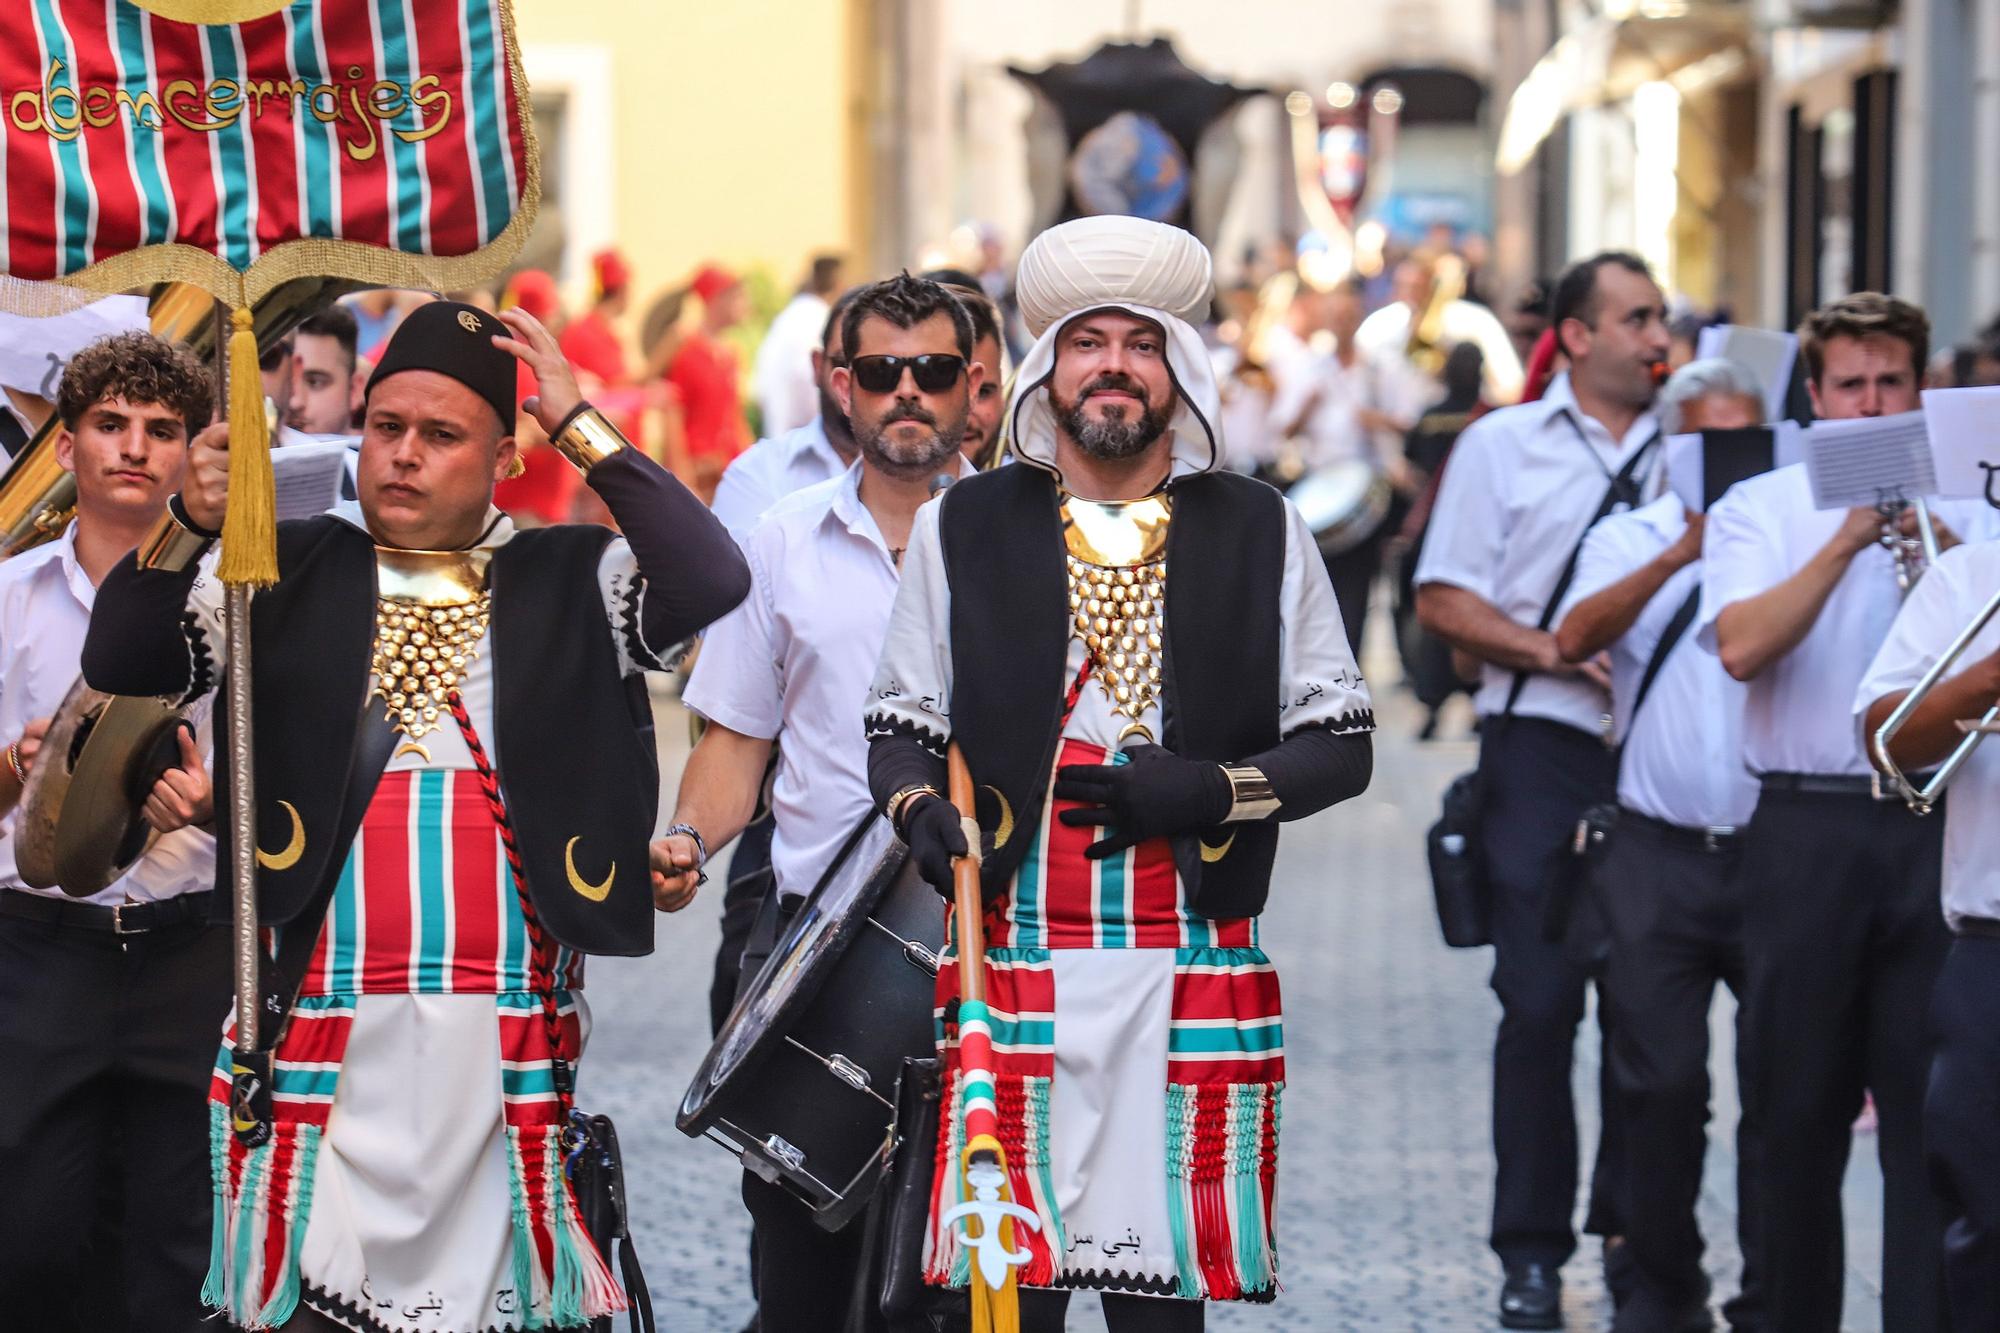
(595, 892)
(294, 849)
(411, 747)
(1006, 828)
(1214, 854)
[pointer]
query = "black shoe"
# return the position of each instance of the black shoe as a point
(1621, 1271)
(1531, 1297)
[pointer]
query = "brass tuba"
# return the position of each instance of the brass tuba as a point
(79, 825)
(1427, 344)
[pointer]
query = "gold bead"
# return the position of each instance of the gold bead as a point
(1153, 674)
(1153, 642)
(1092, 642)
(1101, 625)
(1082, 620)
(1118, 660)
(1122, 694)
(457, 662)
(408, 653)
(1125, 577)
(438, 616)
(1128, 643)
(409, 715)
(430, 715)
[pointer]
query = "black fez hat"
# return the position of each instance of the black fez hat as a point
(456, 341)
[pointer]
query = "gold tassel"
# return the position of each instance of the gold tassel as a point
(250, 525)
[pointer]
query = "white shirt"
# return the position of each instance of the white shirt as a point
(1760, 534)
(782, 373)
(1942, 604)
(1330, 396)
(1521, 486)
(793, 662)
(1683, 759)
(45, 601)
(770, 470)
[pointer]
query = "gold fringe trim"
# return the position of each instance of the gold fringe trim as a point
(308, 256)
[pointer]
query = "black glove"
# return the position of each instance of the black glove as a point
(1156, 794)
(932, 830)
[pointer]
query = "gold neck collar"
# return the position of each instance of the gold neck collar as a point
(1115, 534)
(431, 578)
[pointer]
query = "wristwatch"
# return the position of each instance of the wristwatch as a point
(899, 802)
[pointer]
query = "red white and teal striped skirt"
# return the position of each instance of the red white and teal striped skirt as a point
(1138, 1069)
(414, 1179)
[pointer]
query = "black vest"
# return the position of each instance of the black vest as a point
(1004, 559)
(574, 747)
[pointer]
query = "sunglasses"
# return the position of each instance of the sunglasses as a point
(934, 372)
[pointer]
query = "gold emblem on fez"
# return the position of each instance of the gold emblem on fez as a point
(468, 321)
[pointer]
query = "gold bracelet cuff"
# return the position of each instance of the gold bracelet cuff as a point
(1251, 796)
(588, 439)
(172, 545)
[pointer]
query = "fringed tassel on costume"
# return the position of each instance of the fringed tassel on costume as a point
(292, 1171)
(528, 1284)
(1022, 1101)
(1222, 1146)
(250, 526)
(556, 1266)
(215, 1287)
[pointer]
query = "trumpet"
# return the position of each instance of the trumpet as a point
(1922, 800)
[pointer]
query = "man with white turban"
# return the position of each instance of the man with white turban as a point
(1141, 658)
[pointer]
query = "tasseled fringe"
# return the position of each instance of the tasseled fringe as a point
(1222, 1145)
(572, 1286)
(262, 1203)
(1023, 1101)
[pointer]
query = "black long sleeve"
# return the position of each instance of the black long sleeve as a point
(1313, 768)
(896, 762)
(136, 644)
(693, 571)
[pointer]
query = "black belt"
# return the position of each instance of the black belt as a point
(1983, 926)
(1836, 784)
(1720, 838)
(112, 919)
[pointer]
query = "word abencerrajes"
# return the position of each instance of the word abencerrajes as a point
(212, 105)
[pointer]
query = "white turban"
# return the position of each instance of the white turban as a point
(1146, 269)
(1110, 260)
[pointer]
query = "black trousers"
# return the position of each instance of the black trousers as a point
(749, 882)
(1539, 776)
(1043, 1311)
(1962, 1128)
(104, 1127)
(1353, 574)
(802, 1273)
(1844, 942)
(1674, 914)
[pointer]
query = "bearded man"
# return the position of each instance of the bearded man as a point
(1142, 660)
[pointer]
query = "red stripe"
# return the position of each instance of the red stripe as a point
(1240, 933)
(385, 868)
(277, 1184)
(364, 186)
(449, 156)
(1234, 995)
(475, 864)
(1156, 895)
(274, 134)
(32, 217)
(1069, 908)
(517, 142)
(119, 225)
(189, 170)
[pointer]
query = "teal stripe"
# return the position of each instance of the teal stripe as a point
(131, 40)
(76, 192)
(304, 1082)
(316, 187)
(343, 957)
(405, 159)
(233, 174)
(539, 1082)
(431, 888)
(1114, 889)
(513, 976)
(1030, 926)
(1224, 1041)
(1023, 1032)
(487, 135)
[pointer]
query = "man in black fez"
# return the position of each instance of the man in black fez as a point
(455, 784)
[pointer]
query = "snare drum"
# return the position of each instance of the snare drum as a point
(801, 1081)
(1343, 503)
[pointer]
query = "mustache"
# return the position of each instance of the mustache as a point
(909, 412)
(1113, 382)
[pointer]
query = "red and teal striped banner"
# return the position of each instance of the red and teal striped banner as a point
(386, 141)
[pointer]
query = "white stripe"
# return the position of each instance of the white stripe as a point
(1237, 1024)
(335, 153)
(160, 139)
(1200, 1057)
(413, 63)
(501, 71)
(1224, 969)
(253, 201)
(479, 201)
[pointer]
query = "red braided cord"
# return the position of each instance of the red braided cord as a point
(541, 971)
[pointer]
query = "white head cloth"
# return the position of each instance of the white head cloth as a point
(1146, 269)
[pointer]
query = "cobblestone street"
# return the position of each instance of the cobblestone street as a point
(1386, 1168)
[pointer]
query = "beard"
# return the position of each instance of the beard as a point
(834, 420)
(899, 455)
(1117, 433)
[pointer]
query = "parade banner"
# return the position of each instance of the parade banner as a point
(238, 144)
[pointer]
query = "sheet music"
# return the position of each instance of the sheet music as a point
(34, 350)
(308, 475)
(1870, 461)
(1964, 426)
